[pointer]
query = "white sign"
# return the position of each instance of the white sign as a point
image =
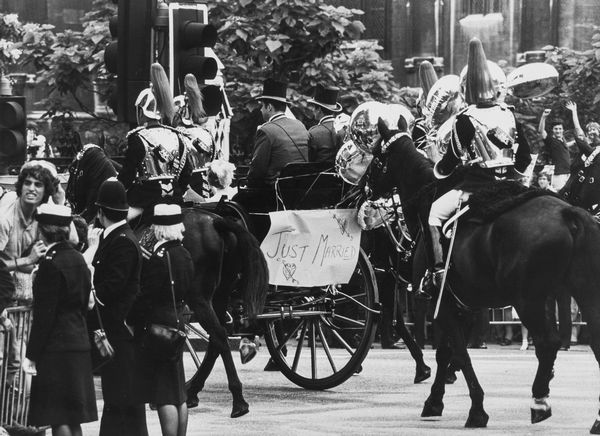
(312, 247)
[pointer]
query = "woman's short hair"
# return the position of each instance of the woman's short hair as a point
(53, 233)
(169, 233)
(220, 173)
(40, 173)
(592, 125)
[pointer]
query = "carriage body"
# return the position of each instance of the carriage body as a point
(317, 335)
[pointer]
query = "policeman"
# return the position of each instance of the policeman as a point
(486, 139)
(155, 167)
(323, 140)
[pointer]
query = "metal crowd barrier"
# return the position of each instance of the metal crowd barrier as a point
(14, 383)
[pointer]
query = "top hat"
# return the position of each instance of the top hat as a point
(112, 195)
(274, 90)
(147, 103)
(167, 215)
(327, 98)
(54, 214)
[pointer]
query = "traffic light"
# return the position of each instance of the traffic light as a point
(189, 35)
(13, 130)
(130, 54)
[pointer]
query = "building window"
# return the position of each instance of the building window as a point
(472, 7)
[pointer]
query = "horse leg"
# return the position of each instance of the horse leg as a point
(423, 372)
(590, 310)
(196, 383)
(477, 415)
(434, 404)
(540, 319)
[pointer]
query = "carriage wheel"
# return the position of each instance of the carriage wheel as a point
(320, 336)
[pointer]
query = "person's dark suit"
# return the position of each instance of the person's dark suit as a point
(323, 141)
(117, 264)
(278, 142)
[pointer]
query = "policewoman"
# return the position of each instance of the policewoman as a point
(165, 286)
(58, 352)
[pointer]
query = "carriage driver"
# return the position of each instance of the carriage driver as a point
(486, 139)
(155, 167)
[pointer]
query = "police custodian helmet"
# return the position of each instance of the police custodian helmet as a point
(112, 195)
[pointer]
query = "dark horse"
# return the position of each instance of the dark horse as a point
(523, 258)
(225, 255)
(583, 187)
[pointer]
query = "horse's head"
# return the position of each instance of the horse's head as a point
(88, 170)
(379, 178)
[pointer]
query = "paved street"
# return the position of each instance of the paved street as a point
(383, 400)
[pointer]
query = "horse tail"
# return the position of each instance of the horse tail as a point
(585, 258)
(254, 281)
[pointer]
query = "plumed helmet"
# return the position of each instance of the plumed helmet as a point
(444, 100)
(427, 78)
(532, 80)
(478, 79)
(363, 122)
(162, 92)
(147, 103)
(112, 195)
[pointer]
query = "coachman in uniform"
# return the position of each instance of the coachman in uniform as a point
(279, 141)
(117, 267)
(323, 140)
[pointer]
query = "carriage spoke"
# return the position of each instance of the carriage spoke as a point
(313, 349)
(299, 346)
(349, 320)
(343, 342)
(287, 338)
(326, 347)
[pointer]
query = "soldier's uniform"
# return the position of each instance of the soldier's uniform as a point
(156, 165)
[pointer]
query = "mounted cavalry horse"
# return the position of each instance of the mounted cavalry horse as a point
(526, 254)
(225, 255)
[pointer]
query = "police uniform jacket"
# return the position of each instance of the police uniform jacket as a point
(117, 264)
(155, 304)
(61, 290)
(323, 141)
(278, 142)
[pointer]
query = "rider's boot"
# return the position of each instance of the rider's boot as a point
(435, 260)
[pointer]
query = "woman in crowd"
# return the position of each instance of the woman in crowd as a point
(164, 381)
(58, 352)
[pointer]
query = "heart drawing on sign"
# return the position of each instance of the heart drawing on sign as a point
(288, 271)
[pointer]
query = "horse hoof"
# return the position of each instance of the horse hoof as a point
(539, 415)
(595, 428)
(477, 419)
(450, 378)
(192, 400)
(422, 374)
(432, 409)
(239, 409)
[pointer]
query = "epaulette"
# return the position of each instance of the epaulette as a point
(161, 251)
(131, 132)
(50, 253)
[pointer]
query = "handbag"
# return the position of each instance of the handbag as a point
(102, 351)
(164, 342)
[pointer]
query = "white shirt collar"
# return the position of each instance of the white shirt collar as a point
(110, 228)
(277, 116)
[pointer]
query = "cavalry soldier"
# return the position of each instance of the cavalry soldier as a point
(427, 78)
(323, 140)
(486, 139)
(155, 167)
(192, 119)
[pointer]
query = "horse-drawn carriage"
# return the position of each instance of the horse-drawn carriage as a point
(318, 335)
